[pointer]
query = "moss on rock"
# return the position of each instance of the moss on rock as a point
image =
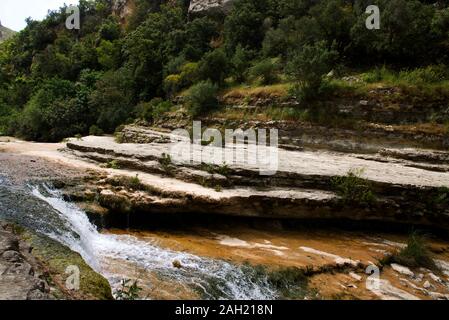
(55, 258)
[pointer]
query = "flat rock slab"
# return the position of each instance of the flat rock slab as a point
(318, 163)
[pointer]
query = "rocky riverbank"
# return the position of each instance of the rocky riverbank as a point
(174, 212)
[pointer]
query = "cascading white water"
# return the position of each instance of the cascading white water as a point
(231, 281)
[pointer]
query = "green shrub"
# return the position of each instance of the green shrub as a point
(265, 71)
(172, 84)
(416, 254)
(307, 68)
(95, 131)
(114, 164)
(129, 290)
(353, 188)
(152, 110)
(135, 183)
(202, 97)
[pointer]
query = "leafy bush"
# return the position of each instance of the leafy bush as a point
(307, 67)
(129, 290)
(353, 188)
(152, 110)
(95, 131)
(202, 97)
(188, 74)
(266, 71)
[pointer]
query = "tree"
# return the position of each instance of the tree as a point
(240, 63)
(214, 66)
(113, 99)
(202, 97)
(307, 66)
(405, 35)
(55, 111)
(109, 54)
(245, 24)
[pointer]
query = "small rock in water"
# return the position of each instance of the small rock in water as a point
(402, 270)
(427, 285)
(177, 264)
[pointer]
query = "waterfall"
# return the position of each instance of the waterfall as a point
(215, 278)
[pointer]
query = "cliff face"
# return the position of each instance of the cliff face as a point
(197, 6)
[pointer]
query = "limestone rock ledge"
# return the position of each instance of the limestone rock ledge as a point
(202, 6)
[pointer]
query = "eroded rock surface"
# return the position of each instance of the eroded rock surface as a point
(19, 279)
(201, 6)
(405, 191)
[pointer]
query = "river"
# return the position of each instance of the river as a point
(119, 257)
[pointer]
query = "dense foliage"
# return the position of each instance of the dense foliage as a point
(56, 82)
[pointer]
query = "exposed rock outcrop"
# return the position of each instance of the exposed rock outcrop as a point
(210, 6)
(302, 188)
(19, 279)
(33, 267)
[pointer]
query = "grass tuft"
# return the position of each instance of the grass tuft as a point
(416, 254)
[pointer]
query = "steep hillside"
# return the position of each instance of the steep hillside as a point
(133, 59)
(5, 33)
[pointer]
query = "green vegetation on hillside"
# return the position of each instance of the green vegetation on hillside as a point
(56, 83)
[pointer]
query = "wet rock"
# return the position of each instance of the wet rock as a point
(177, 264)
(386, 291)
(402, 270)
(427, 285)
(435, 278)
